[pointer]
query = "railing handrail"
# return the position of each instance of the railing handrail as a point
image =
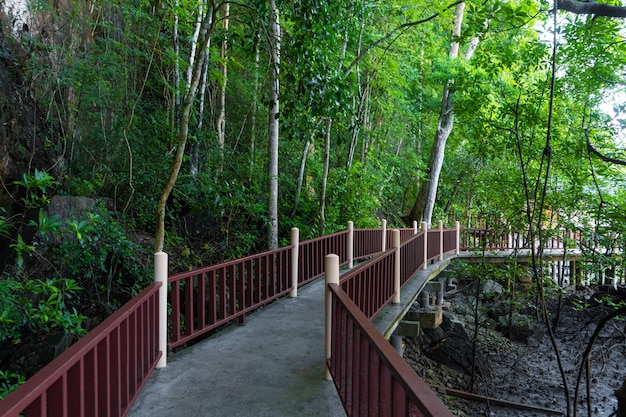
(36, 386)
(404, 375)
(226, 264)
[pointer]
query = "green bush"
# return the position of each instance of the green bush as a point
(38, 306)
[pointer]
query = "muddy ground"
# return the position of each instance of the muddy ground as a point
(525, 372)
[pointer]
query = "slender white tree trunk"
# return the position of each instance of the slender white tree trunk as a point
(305, 154)
(176, 66)
(274, 27)
(425, 201)
(329, 123)
(255, 104)
(221, 118)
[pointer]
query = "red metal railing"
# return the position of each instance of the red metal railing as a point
(433, 244)
(209, 297)
(411, 256)
(367, 242)
(405, 234)
(449, 240)
(102, 373)
(501, 239)
(370, 285)
(370, 377)
(313, 252)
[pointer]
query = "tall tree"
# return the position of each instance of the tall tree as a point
(273, 123)
(427, 194)
(206, 29)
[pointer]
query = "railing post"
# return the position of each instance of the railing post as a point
(295, 253)
(160, 275)
(457, 224)
(425, 230)
(415, 227)
(331, 268)
(395, 242)
(440, 223)
(510, 239)
(384, 226)
(350, 248)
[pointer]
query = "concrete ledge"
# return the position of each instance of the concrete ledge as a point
(522, 255)
(390, 317)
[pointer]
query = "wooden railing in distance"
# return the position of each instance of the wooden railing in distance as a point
(312, 253)
(370, 377)
(366, 242)
(412, 257)
(209, 297)
(498, 239)
(102, 373)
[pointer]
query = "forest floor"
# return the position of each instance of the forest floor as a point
(527, 372)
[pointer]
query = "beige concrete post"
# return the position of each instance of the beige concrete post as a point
(384, 225)
(331, 268)
(457, 224)
(415, 227)
(295, 253)
(350, 248)
(440, 223)
(395, 242)
(160, 275)
(425, 229)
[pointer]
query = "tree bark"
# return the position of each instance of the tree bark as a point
(255, 104)
(322, 225)
(274, 28)
(426, 196)
(221, 118)
(305, 154)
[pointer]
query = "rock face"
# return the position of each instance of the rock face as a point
(450, 344)
(23, 129)
(25, 137)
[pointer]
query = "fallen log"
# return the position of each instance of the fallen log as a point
(496, 401)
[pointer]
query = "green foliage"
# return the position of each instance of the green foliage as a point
(352, 197)
(102, 259)
(9, 382)
(37, 186)
(38, 306)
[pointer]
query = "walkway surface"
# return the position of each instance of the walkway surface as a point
(273, 366)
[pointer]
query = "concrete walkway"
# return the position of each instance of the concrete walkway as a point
(273, 366)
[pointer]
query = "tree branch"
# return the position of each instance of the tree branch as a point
(591, 7)
(597, 153)
(403, 26)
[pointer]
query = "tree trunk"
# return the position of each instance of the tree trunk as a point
(194, 153)
(185, 117)
(221, 118)
(255, 104)
(426, 196)
(305, 154)
(274, 29)
(329, 123)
